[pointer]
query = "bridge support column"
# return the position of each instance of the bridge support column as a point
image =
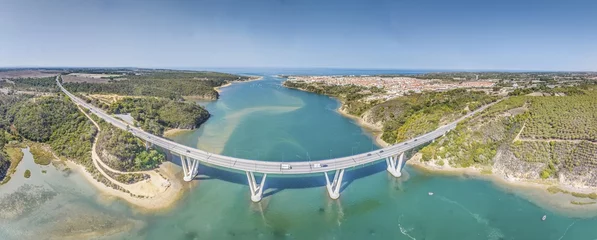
(190, 167)
(256, 189)
(148, 145)
(334, 186)
(395, 165)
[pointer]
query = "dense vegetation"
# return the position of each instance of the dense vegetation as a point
(52, 120)
(4, 162)
(153, 115)
(121, 150)
(544, 137)
(402, 117)
(47, 84)
(415, 114)
(166, 84)
(570, 118)
(6, 101)
(350, 95)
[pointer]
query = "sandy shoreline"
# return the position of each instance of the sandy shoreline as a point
(534, 191)
(219, 89)
(372, 129)
(175, 131)
(163, 201)
(375, 131)
(159, 192)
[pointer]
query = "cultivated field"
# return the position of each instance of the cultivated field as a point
(26, 74)
(90, 78)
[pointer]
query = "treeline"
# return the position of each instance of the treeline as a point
(47, 84)
(167, 84)
(123, 151)
(566, 90)
(350, 95)
(6, 101)
(154, 115)
(4, 162)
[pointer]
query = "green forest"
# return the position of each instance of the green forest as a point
(126, 152)
(418, 113)
(51, 120)
(166, 84)
(556, 131)
(350, 95)
(47, 84)
(154, 115)
(406, 116)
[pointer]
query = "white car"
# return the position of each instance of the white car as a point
(285, 166)
(316, 165)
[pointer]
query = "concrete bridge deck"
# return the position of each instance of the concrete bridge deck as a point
(190, 157)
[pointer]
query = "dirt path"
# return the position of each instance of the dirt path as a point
(154, 193)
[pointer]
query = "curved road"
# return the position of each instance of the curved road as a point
(306, 167)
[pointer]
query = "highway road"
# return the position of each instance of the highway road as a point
(304, 167)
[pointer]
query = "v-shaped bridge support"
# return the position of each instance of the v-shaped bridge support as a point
(256, 189)
(190, 167)
(334, 186)
(395, 165)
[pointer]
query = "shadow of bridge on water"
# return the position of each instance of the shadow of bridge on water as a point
(276, 183)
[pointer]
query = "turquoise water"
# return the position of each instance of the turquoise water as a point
(262, 120)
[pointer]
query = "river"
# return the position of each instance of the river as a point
(263, 120)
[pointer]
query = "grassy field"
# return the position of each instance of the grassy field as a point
(41, 156)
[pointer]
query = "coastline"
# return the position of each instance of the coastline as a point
(375, 131)
(161, 202)
(370, 128)
(534, 191)
(158, 193)
(172, 132)
(256, 78)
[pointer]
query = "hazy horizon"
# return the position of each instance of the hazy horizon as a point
(467, 35)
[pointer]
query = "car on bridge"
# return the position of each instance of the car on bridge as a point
(319, 165)
(285, 166)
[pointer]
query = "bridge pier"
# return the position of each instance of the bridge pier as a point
(395, 165)
(256, 189)
(190, 167)
(334, 186)
(148, 145)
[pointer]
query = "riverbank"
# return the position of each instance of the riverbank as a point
(549, 193)
(253, 78)
(372, 129)
(161, 201)
(159, 192)
(375, 131)
(537, 191)
(172, 132)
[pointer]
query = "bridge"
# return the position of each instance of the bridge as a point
(191, 157)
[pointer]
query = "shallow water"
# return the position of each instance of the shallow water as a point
(262, 120)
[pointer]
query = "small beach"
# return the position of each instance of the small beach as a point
(534, 191)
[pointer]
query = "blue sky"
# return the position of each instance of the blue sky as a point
(389, 34)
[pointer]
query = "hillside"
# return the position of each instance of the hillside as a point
(527, 137)
(402, 117)
(154, 115)
(122, 151)
(166, 84)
